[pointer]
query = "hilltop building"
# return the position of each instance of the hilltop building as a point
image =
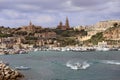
(64, 27)
(80, 28)
(30, 28)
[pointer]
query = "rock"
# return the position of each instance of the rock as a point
(7, 68)
(6, 73)
(7, 76)
(1, 77)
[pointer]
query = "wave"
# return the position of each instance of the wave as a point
(77, 65)
(113, 62)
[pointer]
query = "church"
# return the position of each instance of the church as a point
(64, 27)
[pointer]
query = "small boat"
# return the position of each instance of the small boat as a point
(75, 66)
(22, 68)
(78, 66)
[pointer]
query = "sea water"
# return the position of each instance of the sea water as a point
(53, 65)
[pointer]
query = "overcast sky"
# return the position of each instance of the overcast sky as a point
(48, 13)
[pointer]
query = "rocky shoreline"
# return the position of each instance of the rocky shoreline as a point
(6, 73)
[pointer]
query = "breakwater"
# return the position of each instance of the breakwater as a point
(6, 73)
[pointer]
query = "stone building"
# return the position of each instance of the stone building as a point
(80, 28)
(30, 27)
(64, 27)
(45, 38)
(46, 35)
(7, 42)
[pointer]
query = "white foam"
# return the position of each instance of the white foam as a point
(111, 62)
(77, 65)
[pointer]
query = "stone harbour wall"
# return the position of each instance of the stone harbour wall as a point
(6, 73)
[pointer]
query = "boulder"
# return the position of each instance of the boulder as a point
(6, 73)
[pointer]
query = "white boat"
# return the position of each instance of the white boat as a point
(119, 49)
(102, 48)
(22, 68)
(78, 66)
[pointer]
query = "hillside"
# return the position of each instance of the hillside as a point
(112, 33)
(111, 36)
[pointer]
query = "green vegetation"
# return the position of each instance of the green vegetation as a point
(96, 38)
(30, 38)
(5, 35)
(71, 33)
(68, 37)
(21, 33)
(64, 41)
(115, 24)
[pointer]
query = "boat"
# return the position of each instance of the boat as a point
(22, 68)
(78, 66)
(102, 49)
(114, 49)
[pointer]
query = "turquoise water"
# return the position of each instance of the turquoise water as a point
(51, 65)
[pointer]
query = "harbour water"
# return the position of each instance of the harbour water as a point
(52, 65)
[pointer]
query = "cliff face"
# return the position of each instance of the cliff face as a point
(107, 23)
(101, 26)
(112, 33)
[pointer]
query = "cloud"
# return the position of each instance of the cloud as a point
(43, 19)
(50, 12)
(28, 7)
(10, 14)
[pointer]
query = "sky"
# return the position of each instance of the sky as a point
(48, 13)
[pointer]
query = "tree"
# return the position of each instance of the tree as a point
(96, 38)
(115, 24)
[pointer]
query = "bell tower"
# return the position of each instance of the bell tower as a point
(30, 23)
(67, 23)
